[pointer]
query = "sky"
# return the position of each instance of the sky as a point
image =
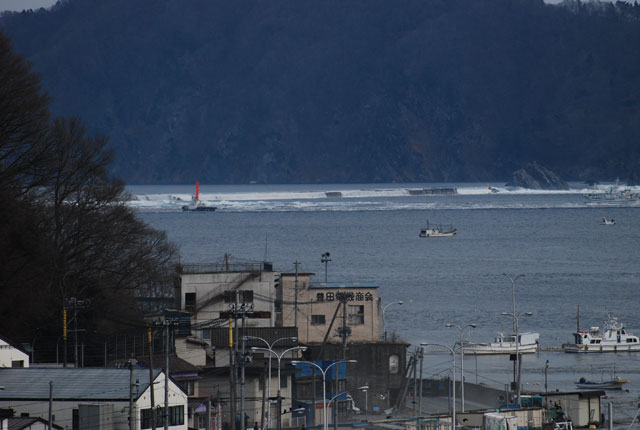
(19, 5)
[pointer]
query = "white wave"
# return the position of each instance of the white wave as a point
(347, 198)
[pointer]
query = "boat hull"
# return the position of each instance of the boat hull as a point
(199, 209)
(608, 385)
(479, 349)
(438, 234)
(573, 348)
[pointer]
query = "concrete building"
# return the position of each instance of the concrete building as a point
(319, 309)
(208, 293)
(92, 398)
(10, 356)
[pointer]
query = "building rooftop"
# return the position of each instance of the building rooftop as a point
(71, 383)
(325, 285)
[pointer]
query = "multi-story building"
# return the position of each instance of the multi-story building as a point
(320, 313)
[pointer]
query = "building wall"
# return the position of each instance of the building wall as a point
(9, 355)
(209, 289)
(219, 385)
(581, 410)
(376, 367)
(317, 304)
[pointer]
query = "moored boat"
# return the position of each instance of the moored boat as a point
(615, 338)
(196, 205)
(506, 344)
(432, 230)
(614, 384)
(607, 221)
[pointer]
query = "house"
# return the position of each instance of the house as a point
(10, 422)
(10, 356)
(187, 377)
(83, 398)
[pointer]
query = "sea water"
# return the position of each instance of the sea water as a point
(553, 238)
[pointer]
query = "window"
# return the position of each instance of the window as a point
(188, 387)
(244, 296)
(394, 363)
(356, 314)
(318, 320)
(17, 363)
(190, 302)
(206, 334)
(176, 417)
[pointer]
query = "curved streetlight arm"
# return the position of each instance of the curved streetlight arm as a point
(384, 329)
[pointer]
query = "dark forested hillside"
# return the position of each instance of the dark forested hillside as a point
(282, 91)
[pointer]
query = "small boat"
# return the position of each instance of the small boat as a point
(196, 205)
(505, 344)
(432, 230)
(614, 384)
(607, 221)
(615, 338)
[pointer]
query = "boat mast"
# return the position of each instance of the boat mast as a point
(578, 320)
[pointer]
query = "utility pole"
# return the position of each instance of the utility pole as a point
(239, 310)
(344, 332)
(50, 405)
(232, 369)
(167, 323)
(76, 304)
(153, 396)
(132, 363)
(295, 308)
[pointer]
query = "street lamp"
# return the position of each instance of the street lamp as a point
(364, 389)
(453, 366)
(324, 383)
(461, 358)
(279, 357)
(384, 329)
(325, 259)
(515, 320)
(513, 291)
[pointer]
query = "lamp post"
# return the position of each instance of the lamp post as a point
(325, 260)
(513, 292)
(461, 358)
(364, 389)
(384, 327)
(453, 393)
(515, 320)
(270, 347)
(324, 384)
(279, 358)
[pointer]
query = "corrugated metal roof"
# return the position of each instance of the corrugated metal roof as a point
(344, 285)
(71, 383)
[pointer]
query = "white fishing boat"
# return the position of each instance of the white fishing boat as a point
(607, 221)
(196, 204)
(433, 230)
(505, 344)
(614, 384)
(614, 338)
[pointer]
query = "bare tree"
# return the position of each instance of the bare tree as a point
(65, 228)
